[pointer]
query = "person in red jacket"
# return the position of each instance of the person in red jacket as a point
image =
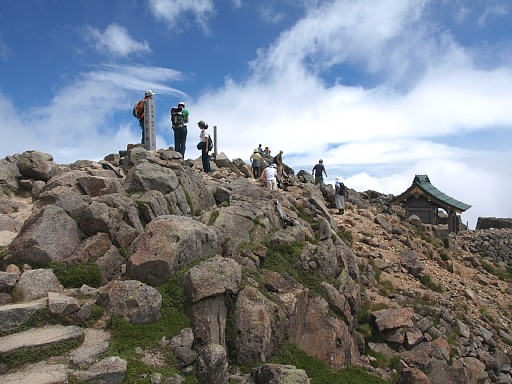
(140, 108)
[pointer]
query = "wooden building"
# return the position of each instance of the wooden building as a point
(424, 200)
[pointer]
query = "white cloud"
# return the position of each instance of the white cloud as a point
(78, 122)
(116, 41)
(430, 88)
(176, 13)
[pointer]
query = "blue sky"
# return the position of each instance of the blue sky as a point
(420, 86)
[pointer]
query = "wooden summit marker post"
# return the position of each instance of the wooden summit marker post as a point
(149, 125)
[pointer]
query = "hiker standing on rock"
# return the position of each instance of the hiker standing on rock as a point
(256, 160)
(179, 121)
(278, 161)
(339, 196)
(204, 136)
(139, 111)
(318, 171)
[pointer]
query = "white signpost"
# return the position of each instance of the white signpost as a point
(149, 125)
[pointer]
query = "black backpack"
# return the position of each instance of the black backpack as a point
(341, 189)
(177, 118)
(210, 143)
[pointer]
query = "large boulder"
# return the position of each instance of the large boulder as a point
(37, 165)
(325, 337)
(148, 176)
(49, 235)
(114, 214)
(36, 283)
(387, 319)
(194, 188)
(279, 374)
(65, 197)
(167, 244)
(9, 176)
(243, 221)
(260, 326)
(207, 287)
(137, 302)
(212, 365)
(213, 277)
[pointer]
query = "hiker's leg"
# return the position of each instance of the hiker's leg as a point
(183, 140)
(177, 142)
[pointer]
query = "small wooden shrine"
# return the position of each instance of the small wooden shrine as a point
(423, 200)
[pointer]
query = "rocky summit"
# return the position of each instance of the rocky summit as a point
(141, 268)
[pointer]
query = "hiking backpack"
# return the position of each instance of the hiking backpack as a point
(210, 143)
(137, 112)
(340, 189)
(177, 118)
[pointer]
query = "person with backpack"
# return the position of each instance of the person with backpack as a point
(278, 161)
(138, 110)
(256, 160)
(179, 121)
(204, 145)
(318, 171)
(339, 196)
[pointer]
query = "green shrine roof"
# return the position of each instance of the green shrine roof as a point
(421, 184)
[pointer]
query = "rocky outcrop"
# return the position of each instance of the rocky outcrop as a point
(49, 235)
(259, 269)
(167, 244)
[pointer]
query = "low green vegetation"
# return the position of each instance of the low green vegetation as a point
(76, 275)
(386, 287)
(502, 274)
(213, 216)
(426, 280)
(444, 256)
(126, 337)
(487, 315)
(319, 372)
(347, 238)
(304, 215)
(365, 323)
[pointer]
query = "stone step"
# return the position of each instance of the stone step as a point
(13, 316)
(39, 373)
(36, 341)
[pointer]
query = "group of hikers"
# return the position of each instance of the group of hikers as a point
(179, 120)
(274, 173)
(270, 175)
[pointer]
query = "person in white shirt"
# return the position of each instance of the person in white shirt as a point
(269, 175)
